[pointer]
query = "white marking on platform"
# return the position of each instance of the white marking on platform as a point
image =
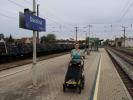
(97, 81)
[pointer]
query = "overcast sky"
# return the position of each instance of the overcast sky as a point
(63, 15)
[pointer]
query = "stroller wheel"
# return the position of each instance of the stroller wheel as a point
(64, 88)
(83, 82)
(83, 78)
(79, 89)
(82, 86)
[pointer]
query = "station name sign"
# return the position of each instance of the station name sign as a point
(31, 22)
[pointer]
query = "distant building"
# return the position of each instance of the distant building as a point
(65, 42)
(128, 42)
(111, 43)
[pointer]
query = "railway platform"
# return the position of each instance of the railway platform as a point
(102, 81)
(111, 86)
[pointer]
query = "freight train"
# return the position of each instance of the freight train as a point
(23, 51)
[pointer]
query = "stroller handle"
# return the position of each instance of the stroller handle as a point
(82, 62)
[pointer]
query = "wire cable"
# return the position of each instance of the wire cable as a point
(13, 2)
(27, 1)
(124, 8)
(126, 12)
(9, 17)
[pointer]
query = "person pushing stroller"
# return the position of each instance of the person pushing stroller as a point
(74, 77)
(76, 56)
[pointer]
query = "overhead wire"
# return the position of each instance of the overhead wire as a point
(17, 4)
(57, 17)
(55, 20)
(9, 17)
(27, 1)
(49, 18)
(125, 6)
(60, 25)
(7, 11)
(126, 11)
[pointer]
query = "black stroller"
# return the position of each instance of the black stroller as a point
(74, 77)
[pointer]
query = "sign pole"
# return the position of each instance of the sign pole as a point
(34, 76)
(30, 21)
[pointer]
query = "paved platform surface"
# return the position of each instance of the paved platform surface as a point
(110, 85)
(15, 84)
(51, 74)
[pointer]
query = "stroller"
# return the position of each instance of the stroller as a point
(74, 77)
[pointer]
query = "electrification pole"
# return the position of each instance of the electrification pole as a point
(85, 39)
(34, 76)
(76, 30)
(89, 35)
(124, 35)
(111, 28)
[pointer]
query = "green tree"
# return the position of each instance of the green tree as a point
(10, 40)
(106, 42)
(51, 38)
(48, 39)
(87, 40)
(43, 39)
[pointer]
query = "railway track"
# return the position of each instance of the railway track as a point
(125, 51)
(14, 64)
(123, 62)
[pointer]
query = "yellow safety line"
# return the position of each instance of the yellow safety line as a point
(97, 81)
